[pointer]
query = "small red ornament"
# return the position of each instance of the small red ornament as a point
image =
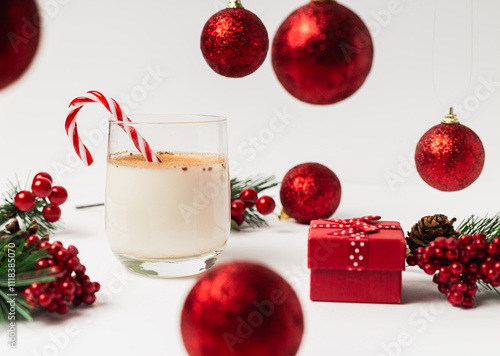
(310, 191)
(234, 41)
(449, 156)
(51, 213)
(241, 309)
(322, 53)
(19, 38)
(25, 200)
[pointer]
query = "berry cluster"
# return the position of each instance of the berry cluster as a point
(49, 196)
(72, 284)
(249, 198)
(460, 263)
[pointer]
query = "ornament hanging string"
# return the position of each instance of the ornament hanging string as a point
(112, 106)
(436, 91)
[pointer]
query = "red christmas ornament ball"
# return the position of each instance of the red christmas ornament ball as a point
(19, 38)
(322, 53)
(449, 156)
(234, 42)
(239, 309)
(310, 191)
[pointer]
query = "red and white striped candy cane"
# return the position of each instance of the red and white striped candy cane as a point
(113, 107)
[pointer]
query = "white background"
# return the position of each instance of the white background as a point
(429, 55)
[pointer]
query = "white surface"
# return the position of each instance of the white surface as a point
(115, 45)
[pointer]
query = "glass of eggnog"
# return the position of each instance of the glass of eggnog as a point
(172, 218)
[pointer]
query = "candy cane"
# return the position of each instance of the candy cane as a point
(112, 106)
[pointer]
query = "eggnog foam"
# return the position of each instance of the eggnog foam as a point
(168, 160)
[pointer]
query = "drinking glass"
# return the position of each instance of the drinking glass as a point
(168, 219)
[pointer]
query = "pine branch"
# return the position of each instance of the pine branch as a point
(488, 226)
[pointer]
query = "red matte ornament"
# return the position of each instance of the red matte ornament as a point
(241, 309)
(19, 38)
(450, 156)
(310, 191)
(234, 41)
(322, 53)
(356, 260)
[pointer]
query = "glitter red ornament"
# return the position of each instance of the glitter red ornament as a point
(19, 38)
(449, 156)
(310, 191)
(234, 41)
(239, 309)
(322, 53)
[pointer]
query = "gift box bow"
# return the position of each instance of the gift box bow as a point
(357, 231)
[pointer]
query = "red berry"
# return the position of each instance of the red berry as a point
(456, 268)
(419, 250)
(54, 248)
(41, 264)
(496, 241)
(51, 263)
(58, 195)
(481, 255)
(62, 308)
(52, 307)
(492, 250)
(249, 197)
(472, 250)
(426, 257)
(88, 298)
(36, 288)
(77, 302)
(238, 219)
(32, 240)
(452, 255)
(430, 268)
(465, 239)
(478, 236)
(490, 260)
(493, 274)
(78, 289)
(72, 264)
(97, 287)
(440, 242)
(62, 255)
(452, 243)
(44, 300)
(238, 208)
(439, 252)
(411, 260)
(73, 251)
(468, 302)
(44, 245)
(480, 244)
(43, 175)
(462, 287)
(24, 200)
(265, 205)
(41, 187)
(67, 288)
(443, 288)
(471, 289)
(88, 288)
(51, 213)
(444, 274)
(496, 266)
(464, 256)
(456, 298)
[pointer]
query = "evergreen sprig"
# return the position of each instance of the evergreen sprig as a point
(488, 226)
(258, 182)
(8, 211)
(14, 251)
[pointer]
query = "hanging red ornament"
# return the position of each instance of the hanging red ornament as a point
(310, 191)
(234, 41)
(19, 37)
(449, 156)
(322, 53)
(241, 309)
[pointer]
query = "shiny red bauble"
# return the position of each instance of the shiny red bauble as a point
(242, 309)
(449, 157)
(234, 42)
(310, 191)
(322, 53)
(19, 38)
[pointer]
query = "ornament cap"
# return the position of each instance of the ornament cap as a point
(235, 4)
(450, 118)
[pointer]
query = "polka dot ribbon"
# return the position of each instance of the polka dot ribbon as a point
(357, 229)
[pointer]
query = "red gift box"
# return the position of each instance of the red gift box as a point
(356, 260)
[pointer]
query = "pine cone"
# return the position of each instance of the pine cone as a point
(428, 228)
